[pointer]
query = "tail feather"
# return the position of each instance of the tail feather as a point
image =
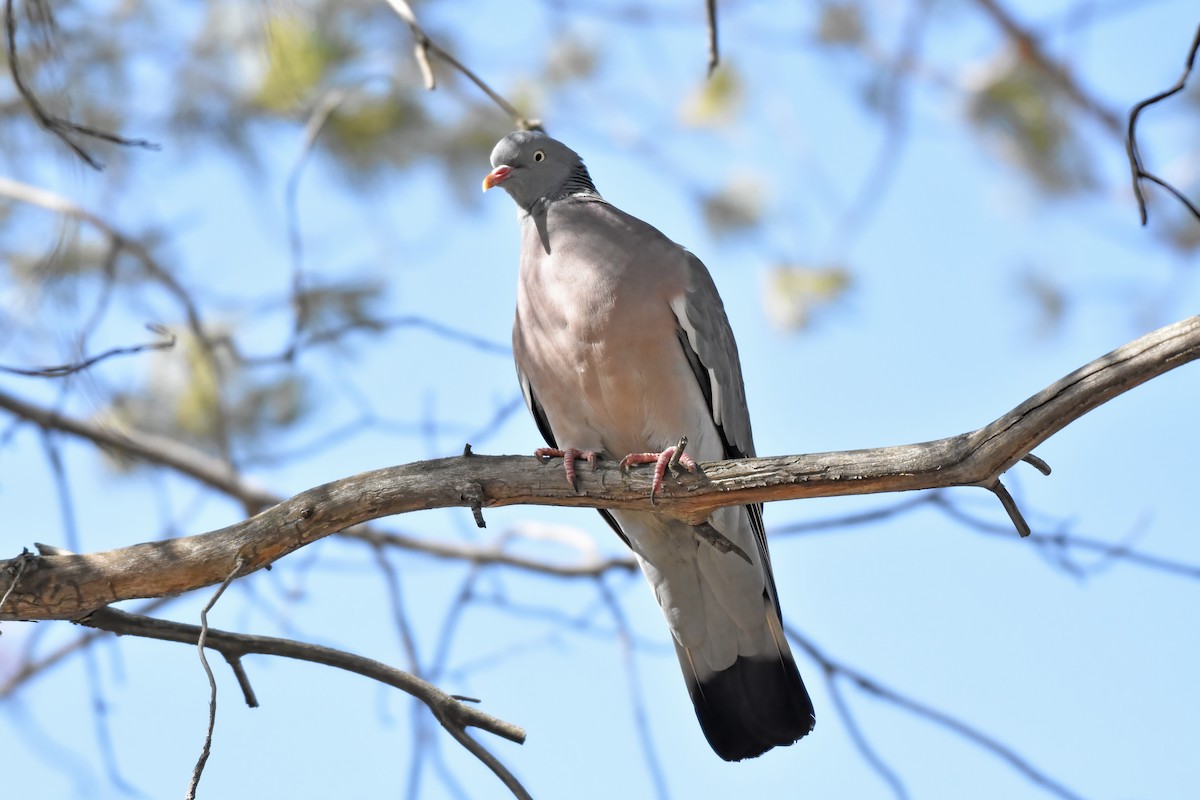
(752, 706)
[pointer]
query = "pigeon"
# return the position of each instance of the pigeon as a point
(622, 346)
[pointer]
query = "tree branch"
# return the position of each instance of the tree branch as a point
(835, 669)
(63, 128)
(206, 749)
(714, 53)
(217, 474)
(62, 370)
(424, 46)
(119, 240)
(71, 586)
(454, 715)
(1136, 165)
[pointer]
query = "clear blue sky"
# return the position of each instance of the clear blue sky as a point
(1091, 679)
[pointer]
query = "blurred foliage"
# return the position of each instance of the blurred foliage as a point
(794, 293)
(1180, 227)
(363, 133)
(841, 24)
(570, 59)
(736, 208)
(1025, 111)
(298, 57)
(327, 311)
(1047, 298)
(72, 257)
(200, 394)
(716, 100)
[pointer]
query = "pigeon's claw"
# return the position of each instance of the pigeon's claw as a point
(672, 457)
(569, 457)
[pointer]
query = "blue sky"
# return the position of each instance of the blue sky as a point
(1090, 679)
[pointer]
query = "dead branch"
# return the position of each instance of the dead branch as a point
(71, 586)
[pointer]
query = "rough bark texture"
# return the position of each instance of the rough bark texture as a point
(72, 586)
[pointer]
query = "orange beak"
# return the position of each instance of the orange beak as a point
(496, 176)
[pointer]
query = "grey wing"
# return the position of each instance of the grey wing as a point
(707, 342)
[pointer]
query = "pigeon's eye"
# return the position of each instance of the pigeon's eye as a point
(539, 155)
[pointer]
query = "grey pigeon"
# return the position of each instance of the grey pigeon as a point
(622, 346)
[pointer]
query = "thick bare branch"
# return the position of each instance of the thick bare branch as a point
(71, 586)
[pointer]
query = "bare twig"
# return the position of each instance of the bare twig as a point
(60, 127)
(198, 770)
(714, 55)
(424, 47)
(1136, 165)
(1010, 507)
(68, 587)
(1037, 463)
(63, 370)
(490, 761)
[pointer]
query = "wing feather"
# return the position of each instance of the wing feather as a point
(708, 344)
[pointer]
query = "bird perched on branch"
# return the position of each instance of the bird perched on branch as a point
(622, 347)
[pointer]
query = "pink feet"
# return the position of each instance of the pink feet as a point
(569, 456)
(672, 457)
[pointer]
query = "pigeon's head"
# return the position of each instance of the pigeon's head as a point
(531, 166)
